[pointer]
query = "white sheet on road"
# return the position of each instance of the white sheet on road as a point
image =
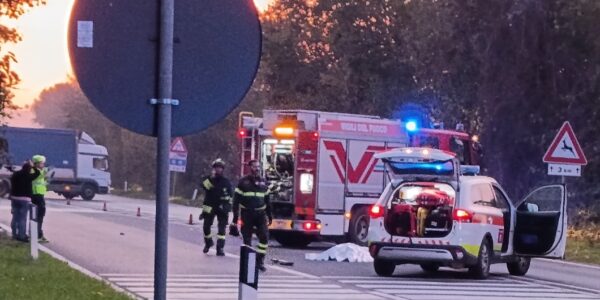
(347, 252)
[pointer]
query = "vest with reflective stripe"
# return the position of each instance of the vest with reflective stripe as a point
(40, 186)
(251, 193)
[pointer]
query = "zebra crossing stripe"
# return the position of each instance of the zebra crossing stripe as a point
(454, 297)
(181, 287)
(493, 289)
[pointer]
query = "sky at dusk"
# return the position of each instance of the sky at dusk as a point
(43, 56)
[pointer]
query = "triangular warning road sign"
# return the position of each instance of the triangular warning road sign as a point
(565, 148)
(178, 146)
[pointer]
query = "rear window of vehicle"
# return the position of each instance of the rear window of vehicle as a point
(445, 168)
(409, 192)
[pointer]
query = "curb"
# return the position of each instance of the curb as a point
(78, 267)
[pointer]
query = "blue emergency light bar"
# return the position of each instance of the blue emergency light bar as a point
(423, 168)
(469, 170)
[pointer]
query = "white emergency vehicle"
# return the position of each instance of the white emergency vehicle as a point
(433, 215)
(324, 167)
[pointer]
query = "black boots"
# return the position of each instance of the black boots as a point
(208, 243)
(260, 259)
(220, 246)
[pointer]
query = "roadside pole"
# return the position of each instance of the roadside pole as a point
(174, 174)
(33, 228)
(164, 102)
(248, 286)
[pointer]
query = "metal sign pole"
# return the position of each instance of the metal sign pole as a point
(174, 184)
(165, 94)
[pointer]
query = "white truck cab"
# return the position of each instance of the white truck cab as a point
(432, 215)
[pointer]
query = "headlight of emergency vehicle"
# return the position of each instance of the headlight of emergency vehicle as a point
(306, 183)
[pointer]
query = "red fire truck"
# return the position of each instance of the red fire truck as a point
(323, 168)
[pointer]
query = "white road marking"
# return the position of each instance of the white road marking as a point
(495, 288)
(226, 287)
(568, 263)
(533, 281)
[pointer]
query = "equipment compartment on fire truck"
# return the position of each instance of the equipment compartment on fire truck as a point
(324, 175)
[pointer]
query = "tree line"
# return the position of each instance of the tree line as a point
(511, 70)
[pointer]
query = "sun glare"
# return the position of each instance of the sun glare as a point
(263, 5)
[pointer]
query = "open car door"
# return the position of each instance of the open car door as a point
(541, 223)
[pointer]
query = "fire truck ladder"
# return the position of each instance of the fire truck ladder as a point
(248, 140)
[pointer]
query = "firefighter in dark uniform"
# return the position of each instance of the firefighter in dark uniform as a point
(217, 203)
(250, 202)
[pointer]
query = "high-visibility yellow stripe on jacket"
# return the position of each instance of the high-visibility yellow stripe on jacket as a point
(207, 184)
(39, 185)
(254, 194)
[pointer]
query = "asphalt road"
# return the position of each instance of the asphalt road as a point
(118, 245)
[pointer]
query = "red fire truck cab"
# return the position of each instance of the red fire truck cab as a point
(323, 169)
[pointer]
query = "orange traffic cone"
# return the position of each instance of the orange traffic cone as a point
(191, 221)
(139, 212)
(104, 206)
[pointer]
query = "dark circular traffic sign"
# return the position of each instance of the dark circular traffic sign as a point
(113, 45)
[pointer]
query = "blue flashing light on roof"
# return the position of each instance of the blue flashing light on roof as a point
(411, 126)
(424, 168)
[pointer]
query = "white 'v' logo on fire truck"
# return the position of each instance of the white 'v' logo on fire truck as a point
(364, 168)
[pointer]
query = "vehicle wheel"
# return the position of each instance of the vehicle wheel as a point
(482, 269)
(69, 196)
(384, 268)
(519, 267)
(292, 240)
(4, 188)
(359, 227)
(88, 192)
(430, 268)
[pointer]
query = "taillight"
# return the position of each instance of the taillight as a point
(242, 133)
(373, 250)
(376, 211)
(462, 215)
(308, 226)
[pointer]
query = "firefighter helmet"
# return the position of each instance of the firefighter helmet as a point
(218, 163)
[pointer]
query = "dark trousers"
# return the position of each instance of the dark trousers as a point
(252, 219)
(222, 221)
(38, 200)
(18, 223)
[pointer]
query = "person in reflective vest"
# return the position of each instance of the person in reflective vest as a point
(217, 203)
(251, 202)
(39, 189)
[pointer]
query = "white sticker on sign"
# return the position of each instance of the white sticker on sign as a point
(85, 34)
(564, 170)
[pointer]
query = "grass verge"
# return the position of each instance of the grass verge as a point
(583, 245)
(46, 278)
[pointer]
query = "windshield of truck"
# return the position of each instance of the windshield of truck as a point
(444, 168)
(101, 163)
